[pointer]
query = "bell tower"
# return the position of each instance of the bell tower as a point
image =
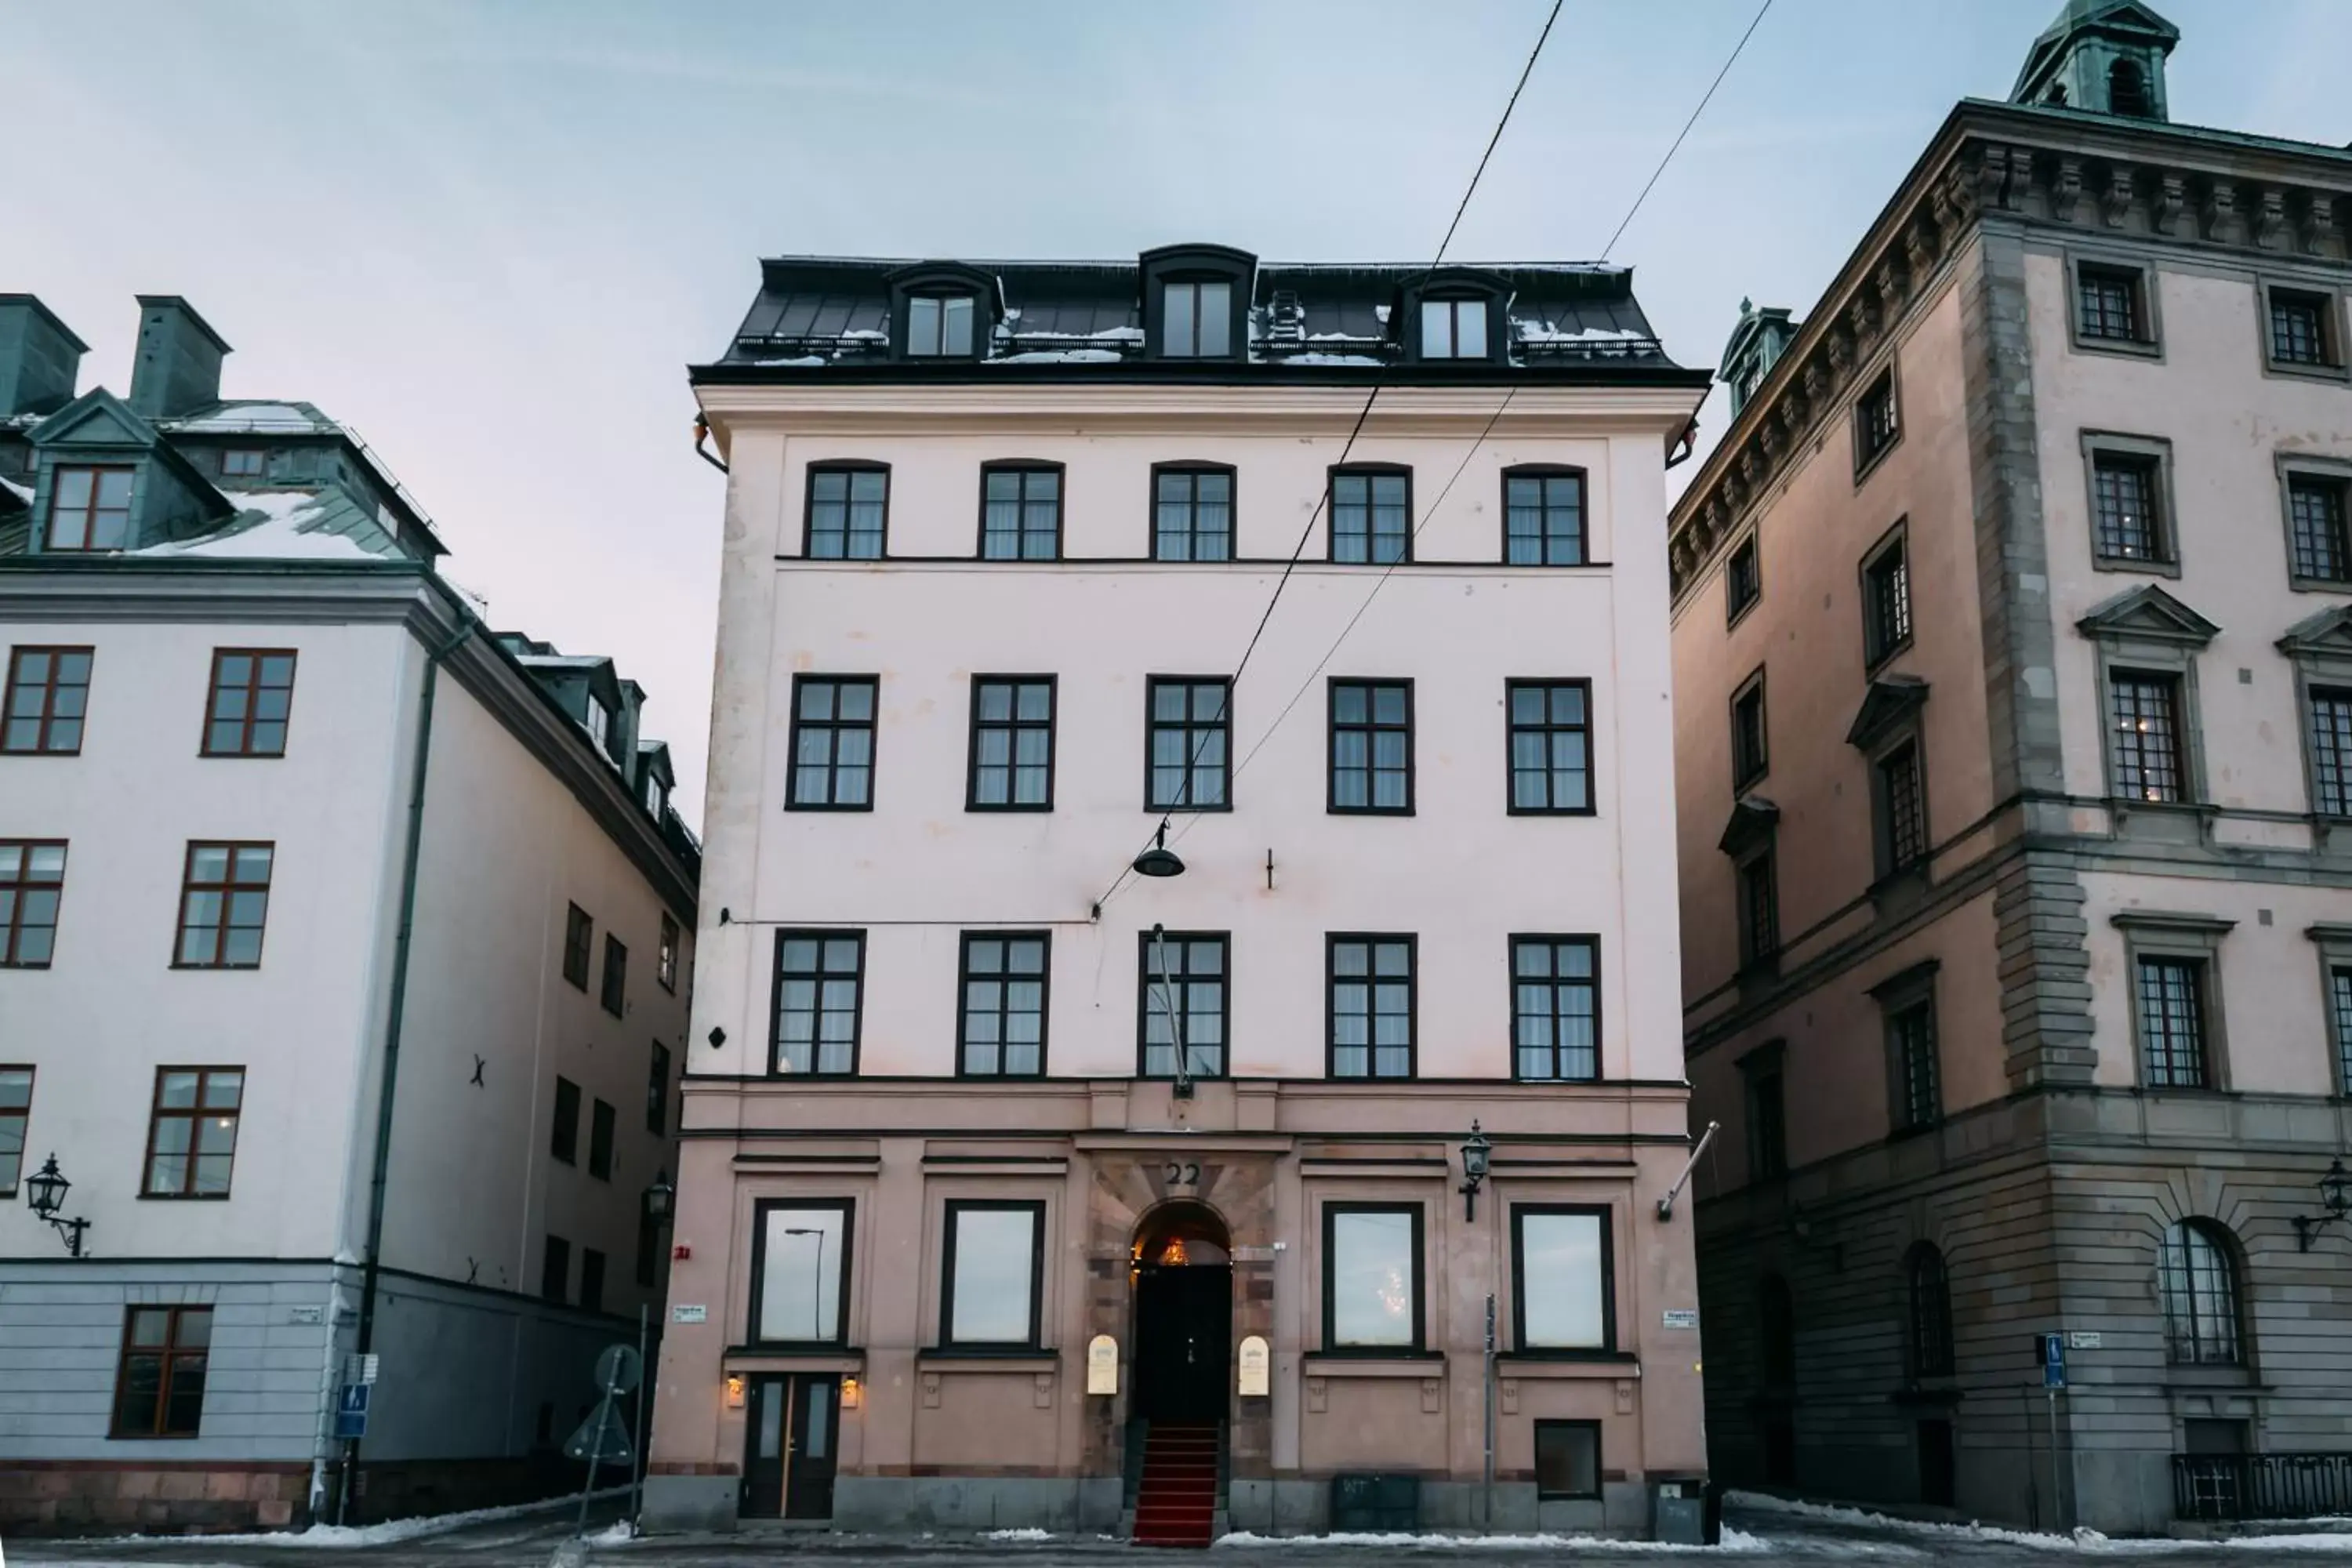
(2104, 56)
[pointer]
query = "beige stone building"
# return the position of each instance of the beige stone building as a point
(964, 1239)
(2012, 654)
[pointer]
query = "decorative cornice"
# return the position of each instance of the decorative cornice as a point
(2043, 168)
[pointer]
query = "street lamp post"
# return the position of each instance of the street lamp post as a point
(45, 1190)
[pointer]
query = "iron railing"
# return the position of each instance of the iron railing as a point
(2260, 1486)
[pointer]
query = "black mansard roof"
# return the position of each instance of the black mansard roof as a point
(844, 317)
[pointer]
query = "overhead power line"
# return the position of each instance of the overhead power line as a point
(1686, 131)
(1362, 414)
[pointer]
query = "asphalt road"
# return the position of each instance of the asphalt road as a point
(544, 1540)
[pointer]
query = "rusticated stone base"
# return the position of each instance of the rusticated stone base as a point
(96, 1498)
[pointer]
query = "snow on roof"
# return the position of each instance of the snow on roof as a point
(564, 660)
(1060, 356)
(251, 417)
(281, 525)
(20, 491)
(1541, 333)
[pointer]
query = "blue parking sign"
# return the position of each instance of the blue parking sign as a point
(2053, 1360)
(352, 1409)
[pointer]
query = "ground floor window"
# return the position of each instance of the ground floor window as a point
(159, 1385)
(995, 1252)
(1371, 1277)
(800, 1272)
(1568, 1460)
(1561, 1278)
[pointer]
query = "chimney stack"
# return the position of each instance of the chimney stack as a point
(178, 368)
(40, 358)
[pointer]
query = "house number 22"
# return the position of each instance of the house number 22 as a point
(1184, 1175)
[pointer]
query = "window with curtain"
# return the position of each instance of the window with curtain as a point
(1021, 514)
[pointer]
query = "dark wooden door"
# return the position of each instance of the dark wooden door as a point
(816, 1446)
(1183, 1341)
(767, 1418)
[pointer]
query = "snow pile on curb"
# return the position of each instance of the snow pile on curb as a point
(1733, 1540)
(2082, 1539)
(1031, 1533)
(390, 1532)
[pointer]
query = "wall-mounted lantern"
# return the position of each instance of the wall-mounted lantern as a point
(2335, 1196)
(1476, 1152)
(45, 1190)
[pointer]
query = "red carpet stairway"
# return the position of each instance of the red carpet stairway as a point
(1176, 1504)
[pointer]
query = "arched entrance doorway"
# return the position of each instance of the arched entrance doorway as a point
(1181, 1268)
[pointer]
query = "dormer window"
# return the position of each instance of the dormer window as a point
(600, 724)
(89, 509)
(939, 326)
(1454, 329)
(243, 463)
(657, 795)
(2127, 91)
(1196, 319)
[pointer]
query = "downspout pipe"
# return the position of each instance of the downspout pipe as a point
(379, 1176)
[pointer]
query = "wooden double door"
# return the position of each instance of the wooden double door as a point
(792, 1445)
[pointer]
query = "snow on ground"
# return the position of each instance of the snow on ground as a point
(2087, 1540)
(391, 1531)
(1733, 1540)
(1032, 1534)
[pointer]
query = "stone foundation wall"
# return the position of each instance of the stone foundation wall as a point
(82, 1497)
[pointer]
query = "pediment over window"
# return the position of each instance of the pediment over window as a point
(95, 418)
(1891, 699)
(1753, 821)
(2148, 615)
(2328, 634)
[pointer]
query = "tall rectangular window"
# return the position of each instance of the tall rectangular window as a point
(252, 695)
(800, 1271)
(1902, 808)
(1196, 320)
(1767, 1124)
(2173, 1023)
(665, 956)
(1182, 989)
(2127, 522)
(1193, 514)
(2300, 329)
(192, 1132)
(89, 509)
(1021, 514)
(224, 902)
(1552, 745)
(2145, 710)
(2107, 303)
(1751, 756)
(1372, 517)
(1011, 743)
(1370, 1005)
(614, 990)
(2322, 543)
(939, 326)
(1875, 422)
(994, 1256)
(1886, 600)
(657, 1091)
(601, 1119)
(2331, 757)
(832, 742)
(47, 698)
(591, 1281)
(15, 1113)
(1911, 1048)
(555, 1270)
(1371, 1277)
(1004, 1013)
(820, 995)
(1743, 580)
(1759, 907)
(1556, 1008)
(1568, 1460)
(1543, 518)
(1371, 746)
(1562, 1279)
(563, 1132)
(1454, 329)
(32, 881)
(1191, 739)
(2339, 997)
(848, 512)
(579, 941)
(159, 1380)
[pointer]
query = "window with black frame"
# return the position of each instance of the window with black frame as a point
(2197, 1278)
(1750, 750)
(1561, 1278)
(1568, 1461)
(800, 1274)
(1021, 514)
(1196, 319)
(2172, 1022)
(2129, 524)
(1182, 990)
(1743, 581)
(1372, 1278)
(1902, 808)
(848, 513)
(994, 1256)
(1193, 514)
(2300, 329)
(1543, 518)
(1759, 907)
(2144, 709)
(1371, 747)
(1911, 1046)
(1556, 1008)
(1877, 423)
(1551, 746)
(1372, 517)
(1011, 743)
(1454, 329)
(1886, 600)
(1190, 743)
(1002, 1019)
(2322, 541)
(819, 998)
(1370, 1005)
(2107, 304)
(833, 744)
(1930, 1295)
(939, 326)
(2331, 753)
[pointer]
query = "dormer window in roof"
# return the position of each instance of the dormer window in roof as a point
(1454, 329)
(89, 507)
(243, 463)
(657, 795)
(1196, 301)
(600, 724)
(939, 326)
(941, 310)
(1453, 314)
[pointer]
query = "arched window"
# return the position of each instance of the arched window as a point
(1777, 1326)
(1931, 1312)
(2197, 1275)
(2127, 91)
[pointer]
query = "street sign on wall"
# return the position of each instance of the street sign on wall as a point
(352, 1410)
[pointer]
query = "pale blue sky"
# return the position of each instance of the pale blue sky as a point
(491, 236)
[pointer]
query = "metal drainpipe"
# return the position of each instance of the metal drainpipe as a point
(381, 1174)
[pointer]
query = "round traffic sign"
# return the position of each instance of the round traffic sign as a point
(617, 1369)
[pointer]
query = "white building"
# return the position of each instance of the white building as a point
(285, 829)
(959, 1244)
